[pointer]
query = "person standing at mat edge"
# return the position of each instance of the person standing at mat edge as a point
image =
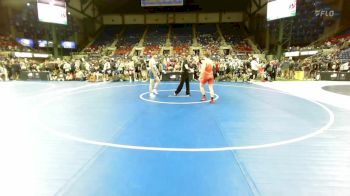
(154, 76)
(184, 77)
(207, 76)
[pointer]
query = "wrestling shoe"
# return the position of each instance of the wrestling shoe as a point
(155, 91)
(152, 95)
(212, 101)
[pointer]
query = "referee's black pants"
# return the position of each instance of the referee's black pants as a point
(184, 78)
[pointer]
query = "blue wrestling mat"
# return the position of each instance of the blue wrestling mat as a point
(113, 139)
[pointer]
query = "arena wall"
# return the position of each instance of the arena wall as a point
(170, 18)
(156, 18)
(114, 19)
(185, 18)
(134, 19)
(209, 18)
(232, 17)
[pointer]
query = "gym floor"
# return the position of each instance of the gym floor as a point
(78, 138)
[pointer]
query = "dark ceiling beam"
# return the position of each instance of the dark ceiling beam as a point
(87, 6)
(96, 17)
(256, 3)
(248, 9)
(94, 8)
(81, 5)
(84, 14)
(259, 8)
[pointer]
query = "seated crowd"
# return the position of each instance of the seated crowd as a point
(102, 65)
(9, 44)
(123, 68)
(208, 38)
(119, 68)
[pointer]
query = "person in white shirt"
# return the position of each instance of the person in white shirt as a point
(344, 67)
(3, 73)
(77, 64)
(106, 65)
(87, 66)
(131, 70)
(254, 66)
(66, 67)
(106, 70)
(154, 78)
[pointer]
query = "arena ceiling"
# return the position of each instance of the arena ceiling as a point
(134, 6)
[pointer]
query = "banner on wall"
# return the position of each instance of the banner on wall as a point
(25, 42)
(147, 3)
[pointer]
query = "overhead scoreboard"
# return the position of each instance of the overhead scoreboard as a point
(149, 3)
(277, 9)
(52, 11)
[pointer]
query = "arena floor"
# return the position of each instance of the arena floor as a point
(78, 138)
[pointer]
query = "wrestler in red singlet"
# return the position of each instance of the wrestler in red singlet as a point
(207, 76)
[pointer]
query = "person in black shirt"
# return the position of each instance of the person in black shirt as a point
(184, 77)
(274, 70)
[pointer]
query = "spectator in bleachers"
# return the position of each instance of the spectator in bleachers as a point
(133, 69)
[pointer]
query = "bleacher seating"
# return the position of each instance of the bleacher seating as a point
(234, 36)
(181, 38)
(181, 49)
(156, 38)
(340, 37)
(208, 37)
(132, 36)
(156, 35)
(232, 33)
(151, 48)
(206, 33)
(107, 36)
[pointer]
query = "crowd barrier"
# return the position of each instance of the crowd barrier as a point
(335, 76)
(28, 75)
(174, 76)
